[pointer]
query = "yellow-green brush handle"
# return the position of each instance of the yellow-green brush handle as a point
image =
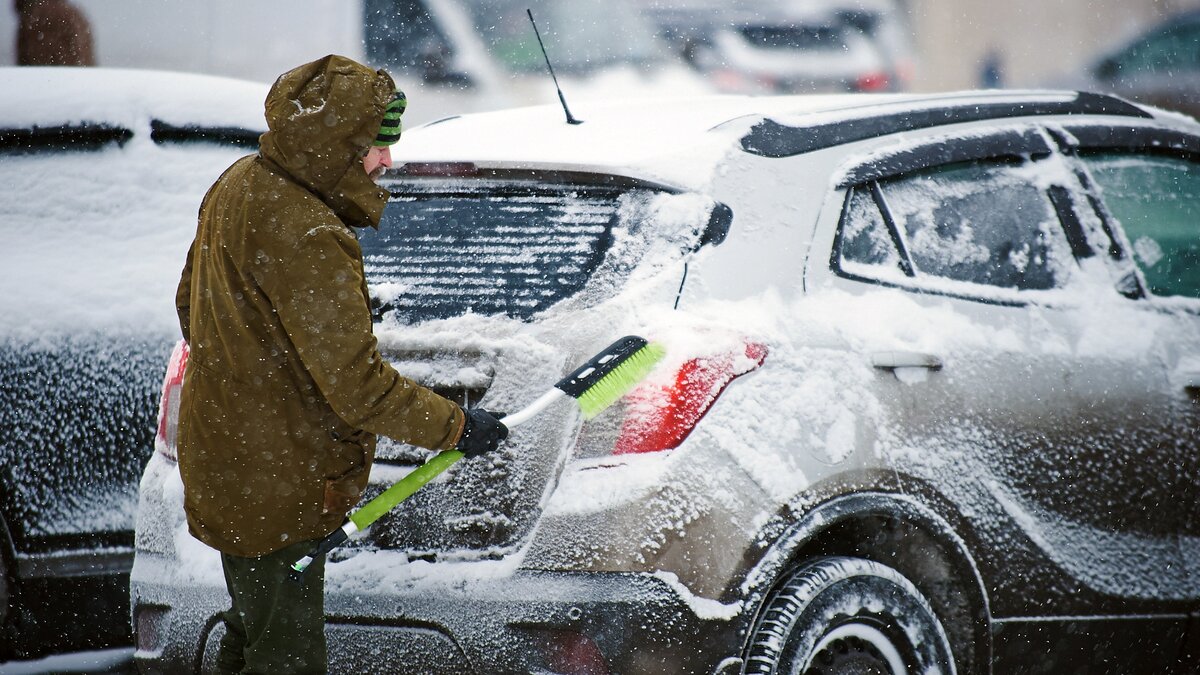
(595, 386)
(628, 369)
(404, 488)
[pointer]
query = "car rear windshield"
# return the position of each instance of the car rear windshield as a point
(806, 37)
(487, 249)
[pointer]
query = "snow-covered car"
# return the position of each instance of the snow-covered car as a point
(928, 404)
(792, 46)
(101, 175)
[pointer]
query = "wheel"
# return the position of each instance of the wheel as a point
(5, 600)
(847, 616)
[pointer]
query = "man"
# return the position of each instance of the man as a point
(285, 389)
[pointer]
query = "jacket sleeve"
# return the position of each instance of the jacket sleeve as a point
(183, 296)
(318, 296)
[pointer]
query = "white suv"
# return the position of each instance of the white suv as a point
(929, 403)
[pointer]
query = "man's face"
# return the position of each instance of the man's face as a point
(377, 160)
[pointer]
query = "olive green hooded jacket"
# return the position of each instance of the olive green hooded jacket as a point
(285, 390)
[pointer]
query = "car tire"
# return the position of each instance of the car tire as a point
(6, 648)
(847, 615)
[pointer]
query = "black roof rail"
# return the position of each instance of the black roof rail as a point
(162, 132)
(84, 136)
(769, 138)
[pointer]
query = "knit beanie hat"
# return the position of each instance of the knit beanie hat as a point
(389, 131)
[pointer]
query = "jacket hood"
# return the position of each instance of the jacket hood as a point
(321, 118)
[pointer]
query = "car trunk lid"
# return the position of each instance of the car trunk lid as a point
(489, 290)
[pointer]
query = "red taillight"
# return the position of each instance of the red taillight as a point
(571, 653)
(872, 82)
(660, 417)
(168, 405)
(148, 624)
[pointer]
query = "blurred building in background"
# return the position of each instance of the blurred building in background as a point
(467, 55)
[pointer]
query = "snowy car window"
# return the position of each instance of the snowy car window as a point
(980, 222)
(1156, 198)
(809, 37)
(866, 246)
(487, 251)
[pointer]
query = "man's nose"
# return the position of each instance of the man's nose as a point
(386, 158)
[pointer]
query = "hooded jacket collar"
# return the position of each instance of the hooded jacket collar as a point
(321, 118)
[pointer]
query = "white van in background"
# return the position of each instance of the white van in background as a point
(449, 56)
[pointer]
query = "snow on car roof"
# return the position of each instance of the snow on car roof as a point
(653, 135)
(92, 238)
(56, 96)
(678, 141)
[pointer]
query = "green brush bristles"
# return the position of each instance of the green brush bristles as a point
(623, 378)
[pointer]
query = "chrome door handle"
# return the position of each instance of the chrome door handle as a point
(892, 360)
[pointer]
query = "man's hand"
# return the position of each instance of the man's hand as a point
(482, 432)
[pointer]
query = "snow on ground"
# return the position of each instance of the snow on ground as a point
(76, 663)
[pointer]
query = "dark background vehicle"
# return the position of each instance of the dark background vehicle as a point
(1160, 66)
(102, 172)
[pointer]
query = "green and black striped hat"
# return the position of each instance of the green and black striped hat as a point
(389, 131)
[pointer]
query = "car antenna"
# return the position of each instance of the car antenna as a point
(570, 118)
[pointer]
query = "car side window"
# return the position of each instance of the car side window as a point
(1156, 199)
(986, 222)
(865, 240)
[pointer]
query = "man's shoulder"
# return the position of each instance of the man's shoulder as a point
(262, 192)
(267, 211)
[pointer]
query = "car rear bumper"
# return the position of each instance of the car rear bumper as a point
(529, 621)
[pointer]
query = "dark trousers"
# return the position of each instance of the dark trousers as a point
(275, 625)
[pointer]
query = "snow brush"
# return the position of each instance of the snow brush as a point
(595, 385)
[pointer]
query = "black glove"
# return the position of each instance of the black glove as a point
(481, 433)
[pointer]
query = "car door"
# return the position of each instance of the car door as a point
(1146, 183)
(1019, 383)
